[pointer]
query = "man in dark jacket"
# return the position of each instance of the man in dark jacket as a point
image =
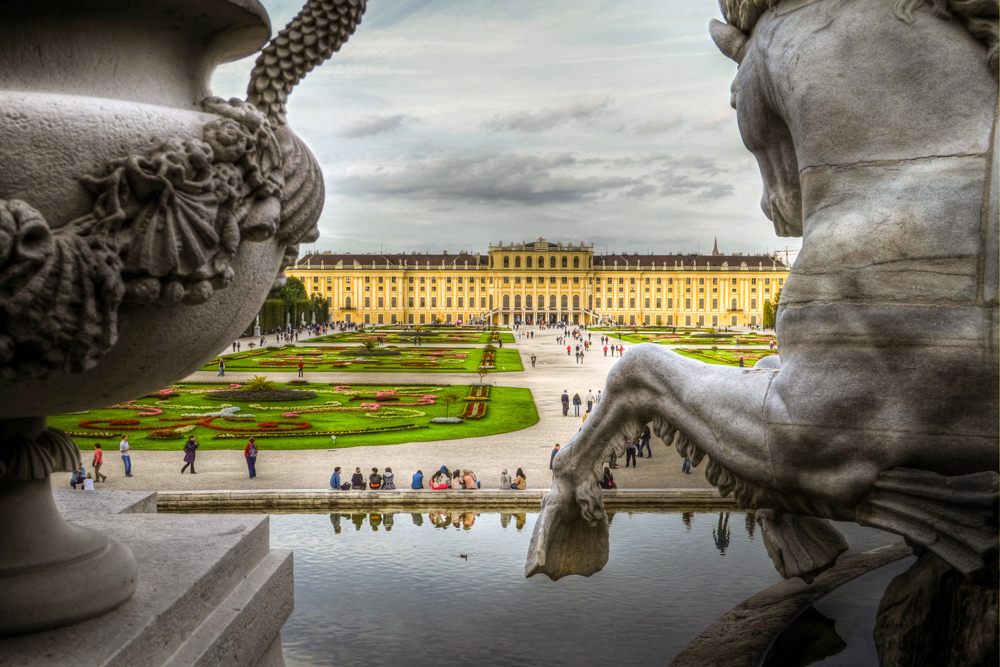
(374, 480)
(565, 402)
(553, 457)
(644, 442)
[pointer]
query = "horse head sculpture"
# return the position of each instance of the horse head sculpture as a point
(875, 128)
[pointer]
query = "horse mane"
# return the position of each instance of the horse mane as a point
(978, 16)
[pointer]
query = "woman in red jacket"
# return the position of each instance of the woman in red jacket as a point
(250, 452)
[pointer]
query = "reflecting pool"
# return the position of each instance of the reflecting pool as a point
(443, 587)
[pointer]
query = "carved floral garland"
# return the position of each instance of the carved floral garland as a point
(164, 229)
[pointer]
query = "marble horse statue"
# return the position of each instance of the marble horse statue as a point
(874, 123)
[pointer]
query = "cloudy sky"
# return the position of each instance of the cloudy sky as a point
(451, 124)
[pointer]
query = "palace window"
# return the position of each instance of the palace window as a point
(781, 281)
(434, 302)
(753, 304)
(576, 281)
(552, 301)
(517, 301)
(506, 262)
(527, 262)
(659, 303)
(517, 262)
(447, 302)
(506, 301)
(552, 262)
(701, 281)
(715, 281)
(647, 302)
(631, 281)
(631, 302)
(715, 304)
(610, 302)
(767, 281)
(368, 302)
(621, 304)
(410, 302)
(576, 262)
(517, 280)
(528, 279)
(565, 280)
(576, 301)
(687, 304)
(368, 279)
(753, 281)
(687, 281)
(506, 280)
(564, 262)
(564, 300)
(423, 302)
(701, 304)
(460, 302)
(527, 300)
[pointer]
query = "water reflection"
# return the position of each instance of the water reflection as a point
(481, 556)
(465, 520)
(721, 533)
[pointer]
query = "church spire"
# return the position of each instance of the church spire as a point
(715, 248)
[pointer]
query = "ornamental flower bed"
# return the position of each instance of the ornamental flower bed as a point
(418, 358)
(474, 410)
(478, 392)
(729, 357)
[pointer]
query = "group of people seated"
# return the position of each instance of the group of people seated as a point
(441, 480)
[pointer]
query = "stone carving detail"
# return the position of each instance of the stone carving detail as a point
(319, 30)
(163, 230)
(26, 459)
(883, 408)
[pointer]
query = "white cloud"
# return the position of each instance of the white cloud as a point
(660, 125)
(372, 125)
(546, 119)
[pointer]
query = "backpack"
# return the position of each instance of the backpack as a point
(346, 486)
(252, 452)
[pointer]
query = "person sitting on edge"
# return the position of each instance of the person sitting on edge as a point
(388, 482)
(609, 480)
(88, 483)
(357, 481)
(418, 480)
(375, 480)
(440, 482)
(505, 480)
(456, 480)
(520, 483)
(469, 480)
(335, 479)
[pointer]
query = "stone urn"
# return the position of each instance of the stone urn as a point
(142, 223)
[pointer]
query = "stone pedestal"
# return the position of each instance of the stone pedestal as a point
(209, 591)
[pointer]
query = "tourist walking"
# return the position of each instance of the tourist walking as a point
(552, 457)
(597, 400)
(565, 402)
(250, 452)
(125, 449)
(302, 367)
(357, 481)
(222, 368)
(98, 461)
(644, 442)
(418, 480)
(519, 483)
(577, 402)
(686, 466)
(590, 400)
(189, 448)
(375, 480)
(630, 453)
(533, 358)
(388, 481)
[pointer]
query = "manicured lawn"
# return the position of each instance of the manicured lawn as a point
(355, 359)
(684, 338)
(401, 413)
(727, 357)
(428, 337)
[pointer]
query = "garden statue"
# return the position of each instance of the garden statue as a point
(874, 126)
(142, 221)
(256, 328)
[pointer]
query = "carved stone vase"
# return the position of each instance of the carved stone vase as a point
(142, 223)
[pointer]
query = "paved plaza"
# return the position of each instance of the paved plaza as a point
(528, 449)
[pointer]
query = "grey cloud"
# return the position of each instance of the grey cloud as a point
(715, 121)
(494, 178)
(546, 119)
(372, 125)
(659, 126)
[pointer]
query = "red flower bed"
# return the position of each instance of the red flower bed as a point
(124, 422)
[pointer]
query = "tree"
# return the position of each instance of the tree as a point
(293, 290)
(449, 399)
(768, 315)
(319, 307)
(369, 342)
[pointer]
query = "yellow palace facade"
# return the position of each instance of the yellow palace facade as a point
(543, 281)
